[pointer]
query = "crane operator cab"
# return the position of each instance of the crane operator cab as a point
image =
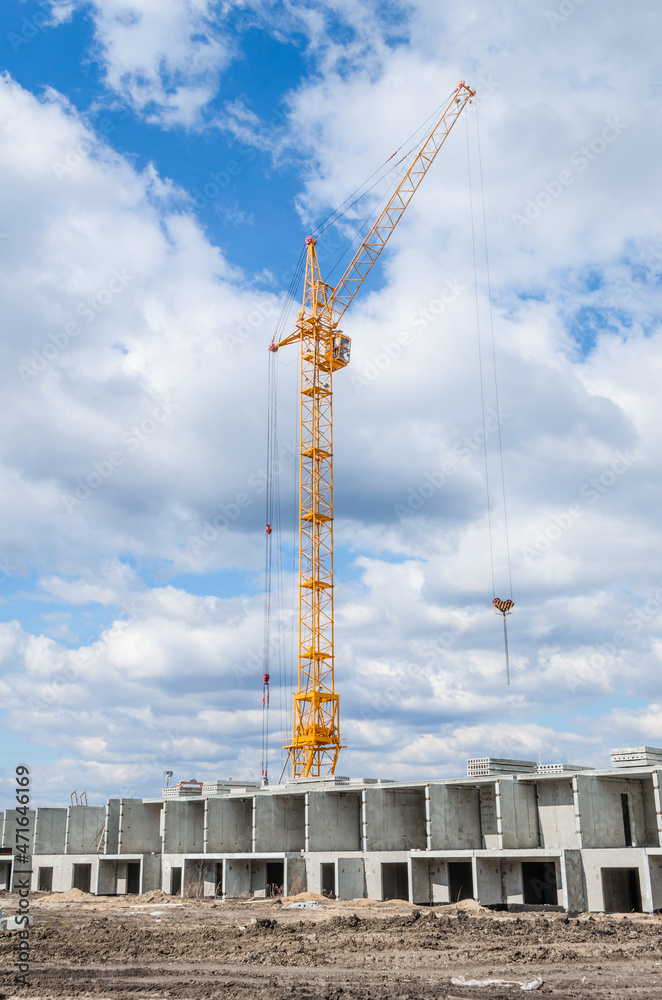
(341, 350)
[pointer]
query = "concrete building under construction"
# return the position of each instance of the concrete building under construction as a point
(511, 834)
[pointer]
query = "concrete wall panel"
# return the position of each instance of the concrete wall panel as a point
(439, 886)
(15, 821)
(150, 875)
(573, 892)
(487, 881)
(350, 878)
(85, 829)
(419, 881)
(594, 860)
(279, 824)
(50, 831)
(601, 811)
(655, 863)
(295, 876)
(334, 821)
(229, 826)
(107, 877)
(519, 815)
(454, 818)
(556, 812)
(183, 827)
(488, 817)
(140, 827)
(395, 819)
(112, 832)
(237, 879)
(511, 880)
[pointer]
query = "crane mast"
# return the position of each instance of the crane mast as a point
(316, 740)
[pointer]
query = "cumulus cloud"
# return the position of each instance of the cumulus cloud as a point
(135, 437)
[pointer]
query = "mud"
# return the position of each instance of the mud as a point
(156, 947)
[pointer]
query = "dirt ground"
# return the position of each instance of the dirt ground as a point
(156, 946)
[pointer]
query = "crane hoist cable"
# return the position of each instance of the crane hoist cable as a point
(503, 607)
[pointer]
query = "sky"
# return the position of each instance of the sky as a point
(161, 163)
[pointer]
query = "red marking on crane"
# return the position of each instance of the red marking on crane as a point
(273, 346)
(310, 239)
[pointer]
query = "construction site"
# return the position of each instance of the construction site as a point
(512, 834)
(275, 875)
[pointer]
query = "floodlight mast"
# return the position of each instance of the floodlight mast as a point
(316, 740)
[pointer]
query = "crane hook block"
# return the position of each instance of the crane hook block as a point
(267, 530)
(505, 607)
(265, 678)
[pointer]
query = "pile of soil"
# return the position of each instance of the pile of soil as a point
(97, 947)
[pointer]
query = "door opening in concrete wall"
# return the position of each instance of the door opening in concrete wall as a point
(219, 878)
(45, 880)
(176, 881)
(395, 880)
(275, 878)
(627, 825)
(328, 879)
(539, 883)
(83, 877)
(133, 878)
(460, 881)
(5, 874)
(621, 891)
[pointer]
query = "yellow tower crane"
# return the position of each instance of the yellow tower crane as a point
(316, 740)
